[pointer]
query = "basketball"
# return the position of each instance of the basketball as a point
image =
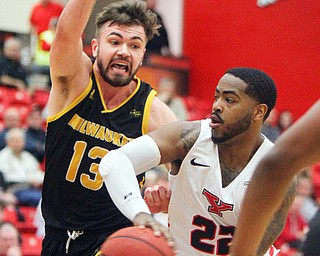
(133, 241)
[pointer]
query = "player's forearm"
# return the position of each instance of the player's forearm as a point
(74, 17)
(263, 198)
(120, 180)
(119, 168)
(276, 226)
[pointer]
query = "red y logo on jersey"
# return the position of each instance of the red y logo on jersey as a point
(216, 205)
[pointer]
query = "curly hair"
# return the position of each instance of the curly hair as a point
(129, 12)
(260, 85)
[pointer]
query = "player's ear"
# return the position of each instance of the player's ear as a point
(260, 111)
(94, 47)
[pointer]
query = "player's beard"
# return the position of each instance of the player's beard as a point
(118, 80)
(233, 130)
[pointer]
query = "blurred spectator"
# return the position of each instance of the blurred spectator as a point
(285, 120)
(20, 169)
(12, 72)
(304, 188)
(6, 199)
(2, 210)
(10, 240)
(294, 232)
(315, 177)
(159, 44)
(11, 119)
(42, 13)
(270, 128)
(167, 93)
(43, 18)
(40, 66)
(35, 134)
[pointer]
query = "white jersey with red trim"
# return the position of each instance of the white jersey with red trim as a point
(205, 213)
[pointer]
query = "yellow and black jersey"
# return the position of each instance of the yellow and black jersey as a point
(74, 195)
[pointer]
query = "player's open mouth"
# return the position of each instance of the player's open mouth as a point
(215, 121)
(120, 66)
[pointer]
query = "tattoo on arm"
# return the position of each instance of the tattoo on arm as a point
(278, 222)
(189, 136)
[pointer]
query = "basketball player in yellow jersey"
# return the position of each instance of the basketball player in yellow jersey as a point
(94, 108)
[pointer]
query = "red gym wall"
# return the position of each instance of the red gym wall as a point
(282, 39)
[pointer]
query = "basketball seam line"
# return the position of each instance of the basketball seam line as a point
(135, 238)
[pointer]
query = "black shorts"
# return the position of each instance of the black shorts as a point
(87, 244)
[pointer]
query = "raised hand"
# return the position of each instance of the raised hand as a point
(157, 198)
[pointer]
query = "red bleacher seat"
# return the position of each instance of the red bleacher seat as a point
(11, 97)
(28, 212)
(27, 226)
(10, 215)
(197, 108)
(31, 244)
(3, 107)
(18, 97)
(40, 97)
(3, 93)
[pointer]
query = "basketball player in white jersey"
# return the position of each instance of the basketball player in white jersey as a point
(212, 164)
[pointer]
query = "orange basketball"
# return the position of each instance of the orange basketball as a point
(133, 241)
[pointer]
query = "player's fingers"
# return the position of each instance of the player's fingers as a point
(156, 195)
(168, 193)
(162, 193)
(143, 220)
(161, 230)
(148, 197)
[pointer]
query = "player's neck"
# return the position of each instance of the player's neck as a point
(115, 96)
(235, 154)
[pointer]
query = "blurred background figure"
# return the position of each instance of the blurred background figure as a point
(21, 170)
(159, 44)
(285, 120)
(270, 128)
(40, 66)
(7, 199)
(304, 188)
(315, 178)
(11, 119)
(311, 244)
(168, 94)
(10, 240)
(35, 133)
(12, 72)
(42, 13)
(43, 19)
(291, 239)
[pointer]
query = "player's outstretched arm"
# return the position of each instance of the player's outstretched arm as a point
(70, 67)
(295, 149)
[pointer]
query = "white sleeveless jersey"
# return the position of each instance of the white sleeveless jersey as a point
(205, 214)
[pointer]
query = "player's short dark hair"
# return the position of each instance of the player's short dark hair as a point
(260, 85)
(129, 12)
